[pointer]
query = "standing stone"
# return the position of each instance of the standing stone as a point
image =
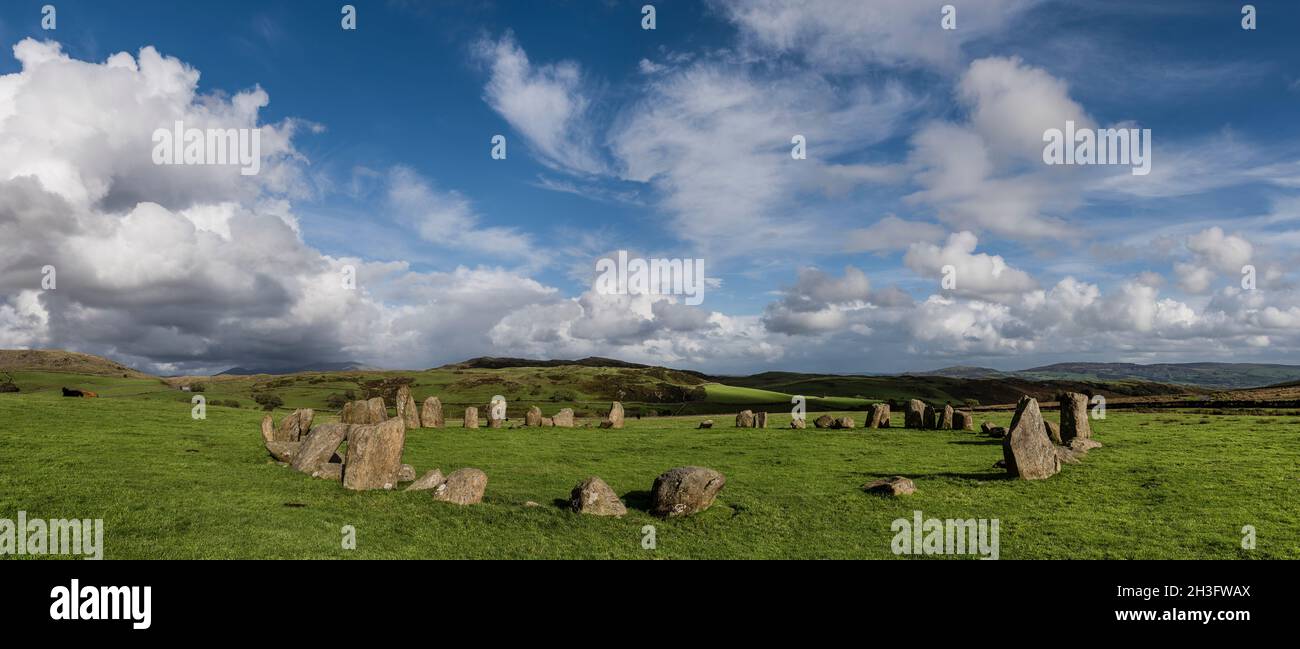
(462, 487)
(406, 409)
(495, 407)
(760, 420)
(798, 422)
(593, 496)
(1026, 449)
(319, 446)
(962, 420)
(430, 480)
(824, 421)
(615, 417)
(914, 414)
(431, 413)
(374, 455)
(563, 418)
(945, 418)
(1074, 416)
(533, 417)
(471, 417)
(376, 411)
(745, 419)
(268, 429)
(1053, 432)
(879, 416)
(683, 491)
(930, 419)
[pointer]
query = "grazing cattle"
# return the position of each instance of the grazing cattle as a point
(73, 393)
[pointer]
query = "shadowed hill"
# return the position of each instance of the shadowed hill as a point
(55, 360)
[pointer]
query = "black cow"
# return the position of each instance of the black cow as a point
(73, 393)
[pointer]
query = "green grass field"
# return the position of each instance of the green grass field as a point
(1166, 485)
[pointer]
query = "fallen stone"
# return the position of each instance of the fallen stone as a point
(685, 490)
(843, 422)
(895, 486)
(824, 421)
(547, 422)
(406, 473)
(593, 496)
(1065, 455)
(328, 471)
(430, 480)
(1082, 445)
(707, 423)
(462, 487)
(283, 451)
(798, 422)
(319, 446)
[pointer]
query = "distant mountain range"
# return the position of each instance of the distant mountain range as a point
(342, 366)
(1205, 375)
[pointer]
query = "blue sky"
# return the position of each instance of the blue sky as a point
(922, 152)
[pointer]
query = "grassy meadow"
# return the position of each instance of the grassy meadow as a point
(1166, 486)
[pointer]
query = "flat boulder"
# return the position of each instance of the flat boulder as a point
(843, 422)
(430, 480)
(533, 417)
(319, 446)
(1028, 451)
(1081, 445)
(895, 486)
(431, 413)
(547, 422)
(462, 487)
(593, 496)
(471, 417)
(1074, 416)
(406, 408)
(615, 417)
(685, 490)
(745, 419)
(1065, 455)
(374, 455)
(798, 422)
(707, 423)
(824, 421)
(563, 418)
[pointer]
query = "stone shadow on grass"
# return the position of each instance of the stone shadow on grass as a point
(638, 500)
